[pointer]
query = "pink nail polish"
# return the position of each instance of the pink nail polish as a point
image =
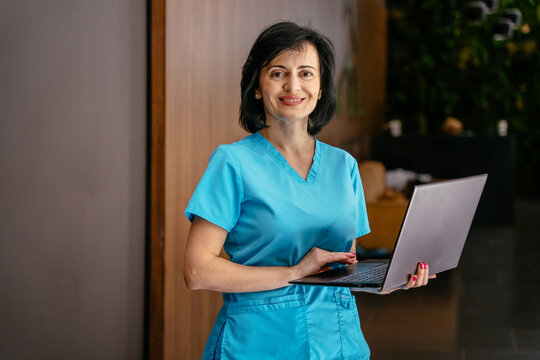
(414, 278)
(422, 266)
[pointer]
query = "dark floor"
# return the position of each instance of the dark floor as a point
(487, 308)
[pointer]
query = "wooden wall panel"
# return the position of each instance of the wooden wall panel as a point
(206, 44)
(371, 61)
(368, 54)
(156, 322)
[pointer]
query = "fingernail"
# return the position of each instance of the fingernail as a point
(422, 266)
(414, 278)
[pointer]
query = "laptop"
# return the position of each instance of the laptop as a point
(434, 230)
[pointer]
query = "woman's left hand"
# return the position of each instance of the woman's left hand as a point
(420, 278)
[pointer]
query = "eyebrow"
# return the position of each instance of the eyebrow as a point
(300, 67)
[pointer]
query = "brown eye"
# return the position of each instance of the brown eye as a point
(307, 74)
(277, 74)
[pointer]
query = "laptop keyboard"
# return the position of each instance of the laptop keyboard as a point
(373, 275)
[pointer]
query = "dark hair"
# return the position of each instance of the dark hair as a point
(270, 43)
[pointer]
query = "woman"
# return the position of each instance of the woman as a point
(283, 206)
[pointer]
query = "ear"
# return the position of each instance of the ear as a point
(320, 94)
(257, 94)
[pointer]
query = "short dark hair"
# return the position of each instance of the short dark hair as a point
(270, 43)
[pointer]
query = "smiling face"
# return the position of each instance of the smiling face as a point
(290, 85)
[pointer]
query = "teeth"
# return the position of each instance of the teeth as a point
(291, 100)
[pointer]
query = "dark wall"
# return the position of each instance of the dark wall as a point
(72, 179)
(450, 157)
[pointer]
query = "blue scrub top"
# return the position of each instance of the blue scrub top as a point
(273, 218)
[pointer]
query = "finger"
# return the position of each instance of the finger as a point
(348, 261)
(420, 273)
(340, 256)
(411, 283)
(347, 258)
(426, 274)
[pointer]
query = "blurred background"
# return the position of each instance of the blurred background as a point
(473, 61)
(111, 109)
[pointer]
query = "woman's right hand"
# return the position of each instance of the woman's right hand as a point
(317, 260)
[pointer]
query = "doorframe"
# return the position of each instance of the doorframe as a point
(156, 256)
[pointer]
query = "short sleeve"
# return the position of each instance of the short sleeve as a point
(218, 196)
(362, 223)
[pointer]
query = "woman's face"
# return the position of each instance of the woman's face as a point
(290, 85)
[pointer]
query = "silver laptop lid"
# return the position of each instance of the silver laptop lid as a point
(435, 227)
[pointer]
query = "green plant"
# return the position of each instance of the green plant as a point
(439, 65)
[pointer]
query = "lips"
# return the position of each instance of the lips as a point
(291, 100)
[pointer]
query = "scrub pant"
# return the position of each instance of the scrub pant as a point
(297, 322)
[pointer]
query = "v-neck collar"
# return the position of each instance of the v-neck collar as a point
(284, 165)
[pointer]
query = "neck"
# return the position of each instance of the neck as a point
(290, 137)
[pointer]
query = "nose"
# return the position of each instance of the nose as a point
(292, 84)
